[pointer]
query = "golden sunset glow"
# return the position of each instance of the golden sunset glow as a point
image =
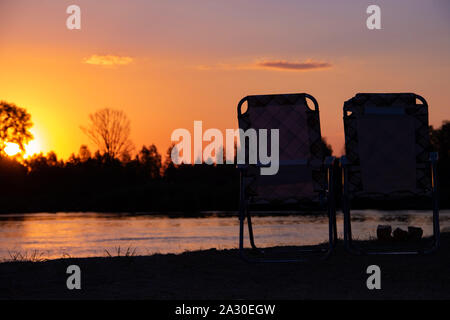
(12, 149)
(148, 67)
(31, 148)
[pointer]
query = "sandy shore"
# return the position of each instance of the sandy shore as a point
(216, 274)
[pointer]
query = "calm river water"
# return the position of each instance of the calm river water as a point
(55, 235)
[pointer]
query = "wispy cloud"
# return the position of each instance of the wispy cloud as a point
(108, 60)
(280, 65)
(293, 65)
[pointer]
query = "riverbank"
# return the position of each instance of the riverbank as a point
(213, 274)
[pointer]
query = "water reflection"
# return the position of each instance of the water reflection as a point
(90, 234)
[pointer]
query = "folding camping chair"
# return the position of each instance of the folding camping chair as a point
(303, 176)
(387, 157)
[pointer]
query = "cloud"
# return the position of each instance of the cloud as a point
(108, 60)
(280, 65)
(293, 65)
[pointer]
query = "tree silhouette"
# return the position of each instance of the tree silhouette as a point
(150, 160)
(440, 140)
(110, 130)
(327, 149)
(15, 123)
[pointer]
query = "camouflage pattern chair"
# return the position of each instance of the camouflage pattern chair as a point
(388, 156)
(303, 178)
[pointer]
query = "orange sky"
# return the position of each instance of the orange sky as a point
(180, 61)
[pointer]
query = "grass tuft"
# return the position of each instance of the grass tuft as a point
(34, 256)
(130, 252)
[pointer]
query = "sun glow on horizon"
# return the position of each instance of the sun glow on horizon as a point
(11, 149)
(31, 148)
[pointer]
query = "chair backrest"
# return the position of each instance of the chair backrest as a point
(387, 145)
(300, 142)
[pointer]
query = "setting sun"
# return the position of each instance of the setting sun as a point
(12, 149)
(31, 148)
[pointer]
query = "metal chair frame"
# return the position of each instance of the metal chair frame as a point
(346, 204)
(245, 213)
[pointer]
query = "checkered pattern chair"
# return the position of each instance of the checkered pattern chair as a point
(303, 178)
(388, 155)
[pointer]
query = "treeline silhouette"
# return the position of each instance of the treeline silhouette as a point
(44, 183)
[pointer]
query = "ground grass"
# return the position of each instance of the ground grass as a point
(214, 274)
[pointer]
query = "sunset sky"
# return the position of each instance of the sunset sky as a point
(167, 63)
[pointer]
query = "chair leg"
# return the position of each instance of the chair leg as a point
(335, 235)
(348, 226)
(333, 220)
(347, 231)
(244, 212)
(331, 202)
(241, 231)
(242, 206)
(349, 245)
(332, 229)
(346, 210)
(436, 231)
(436, 227)
(345, 206)
(335, 239)
(242, 215)
(348, 238)
(358, 251)
(250, 232)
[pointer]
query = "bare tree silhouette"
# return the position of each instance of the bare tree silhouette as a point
(15, 123)
(109, 129)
